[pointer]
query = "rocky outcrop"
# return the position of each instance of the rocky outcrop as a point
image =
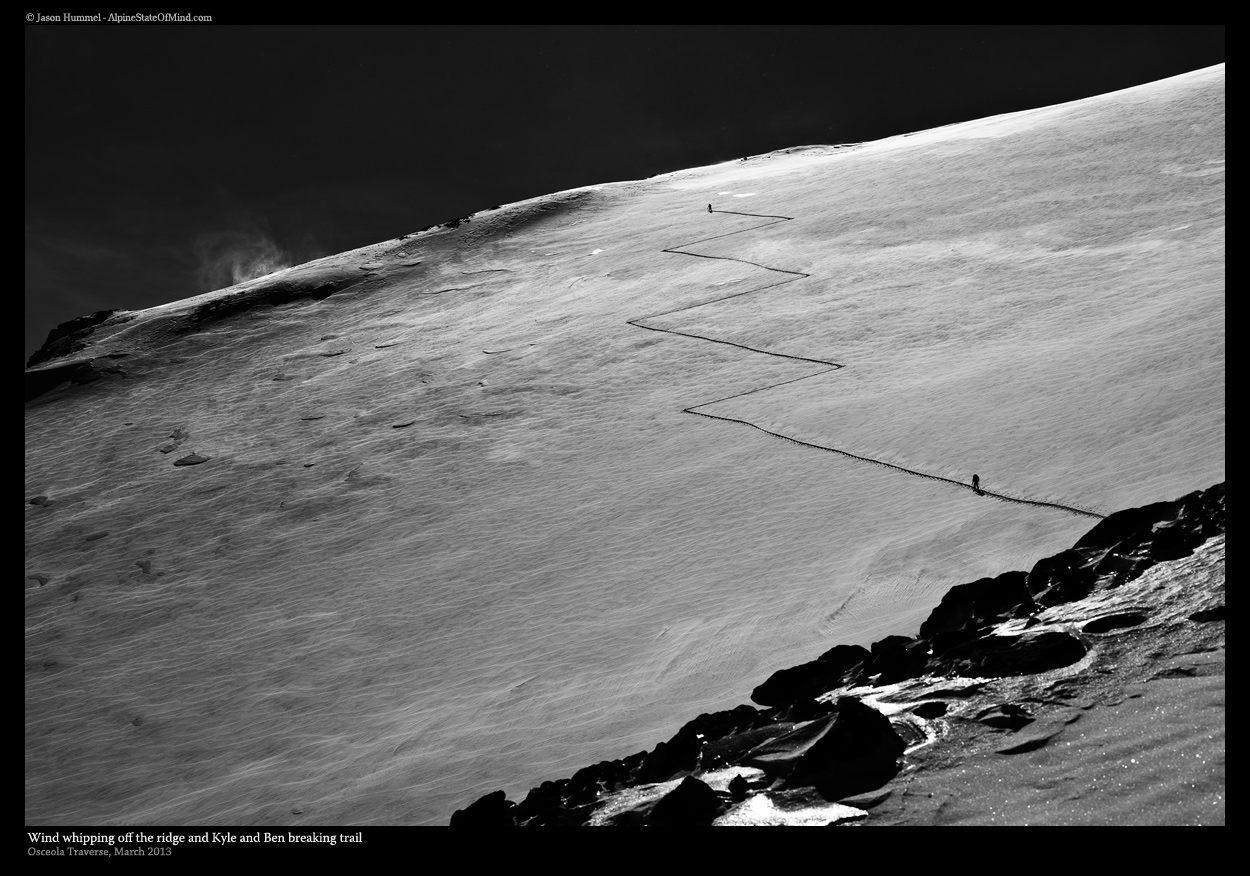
(493, 810)
(859, 752)
(1003, 656)
(971, 606)
(690, 804)
(804, 743)
(68, 337)
(808, 680)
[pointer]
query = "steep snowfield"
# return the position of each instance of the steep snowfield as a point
(456, 532)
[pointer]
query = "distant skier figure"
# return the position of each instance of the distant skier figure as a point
(976, 485)
(709, 208)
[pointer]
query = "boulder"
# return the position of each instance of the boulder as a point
(666, 760)
(859, 752)
(979, 603)
(691, 804)
(895, 659)
(1113, 529)
(778, 756)
(1171, 541)
(810, 680)
(492, 810)
(1065, 577)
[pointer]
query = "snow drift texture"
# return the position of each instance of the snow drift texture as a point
(444, 524)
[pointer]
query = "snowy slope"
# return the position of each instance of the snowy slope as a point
(456, 531)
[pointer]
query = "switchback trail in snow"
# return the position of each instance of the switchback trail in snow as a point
(790, 277)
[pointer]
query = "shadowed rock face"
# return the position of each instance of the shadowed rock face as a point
(690, 804)
(786, 686)
(976, 604)
(859, 753)
(851, 748)
(493, 810)
(68, 337)
(999, 656)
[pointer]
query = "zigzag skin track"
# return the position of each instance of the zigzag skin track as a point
(640, 322)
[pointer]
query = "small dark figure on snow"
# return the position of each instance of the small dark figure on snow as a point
(976, 484)
(709, 208)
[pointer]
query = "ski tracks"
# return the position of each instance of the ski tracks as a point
(788, 276)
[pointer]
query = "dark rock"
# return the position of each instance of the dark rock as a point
(710, 726)
(681, 752)
(1171, 541)
(1007, 594)
(664, 761)
(690, 804)
(955, 609)
(978, 603)
(606, 775)
(731, 749)
(584, 795)
(1113, 529)
(858, 753)
(856, 749)
(808, 710)
(738, 788)
(68, 337)
(929, 710)
(543, 799)
(270, 295)
(96, 536)
(809, 680)
(1006, 716)
(192, 459)
(493, 810)
(1211, 511)
(1004, 656)
(41, 500)
(895, 659)
(1120, 566)
(1065, 577)
(562, 817)
(1114, 622)
(941, 643)
(891, 644)
(778, 756)
(1207, 615)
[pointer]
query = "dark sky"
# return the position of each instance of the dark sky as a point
(155, 154)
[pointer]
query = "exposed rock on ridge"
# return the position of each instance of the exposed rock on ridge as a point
(804, 744)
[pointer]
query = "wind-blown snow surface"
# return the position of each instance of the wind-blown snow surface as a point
(456, 532)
